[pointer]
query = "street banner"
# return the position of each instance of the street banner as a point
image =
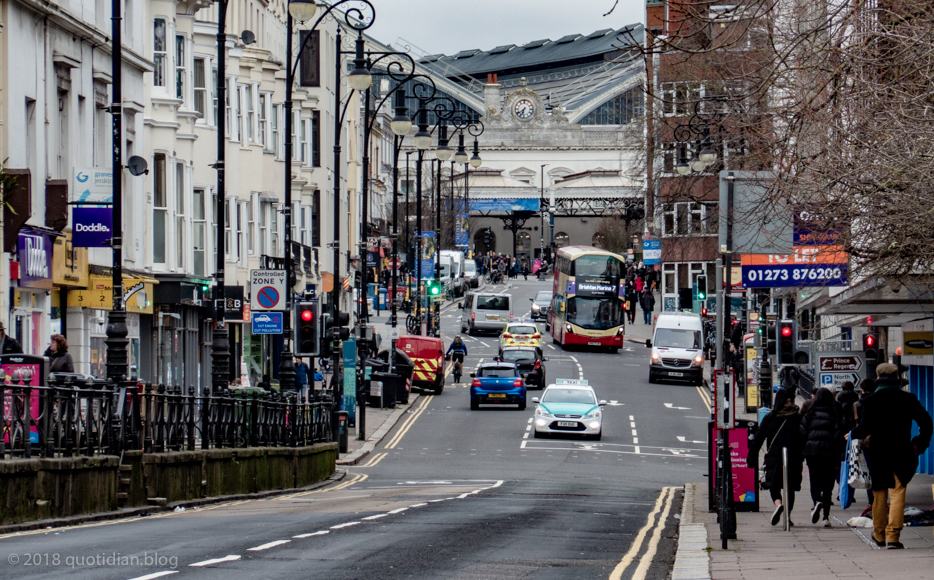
(349, 400)
(651, 252)
(92, 226)
(92, 185)
(429, 251)
(745, 479)
(461, 233)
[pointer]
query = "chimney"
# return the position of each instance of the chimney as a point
(492, 95)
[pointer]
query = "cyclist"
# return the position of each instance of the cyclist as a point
(459, 350)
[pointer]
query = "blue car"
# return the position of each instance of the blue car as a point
(497, 383)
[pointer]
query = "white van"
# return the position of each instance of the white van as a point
(486, 311)
(452, 272)
(677, 348)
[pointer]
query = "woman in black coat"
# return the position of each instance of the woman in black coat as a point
(823, 444)
(780, 429)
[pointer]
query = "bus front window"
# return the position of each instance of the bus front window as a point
(595, 313)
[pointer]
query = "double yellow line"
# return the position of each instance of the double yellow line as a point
(356, 478)
(664, 499)
(408, 423)
(705, 396)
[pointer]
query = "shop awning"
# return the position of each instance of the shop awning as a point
(137, 293)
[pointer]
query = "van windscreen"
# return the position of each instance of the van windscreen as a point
(677, 338)
(492, 303)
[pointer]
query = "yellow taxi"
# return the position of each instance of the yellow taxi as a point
(520, 334)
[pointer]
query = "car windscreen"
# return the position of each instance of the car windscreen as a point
(470, 267)
(569, 396)
(543, 297)
(518, 355)
(497, 372)
(492, 303)
(677, 338)
(522, 330)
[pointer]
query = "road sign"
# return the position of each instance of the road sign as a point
(651, 252)
(267, 289)
(835, 368)
(267, 323)
(395, 263)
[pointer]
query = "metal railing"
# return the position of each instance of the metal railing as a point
(66, 419)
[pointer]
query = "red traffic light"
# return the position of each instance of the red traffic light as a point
(870, 340)
(703, 311)
(307, 315)
(786, 331)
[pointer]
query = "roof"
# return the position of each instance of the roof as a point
(574, 252)
(543, 53)
(595, 178)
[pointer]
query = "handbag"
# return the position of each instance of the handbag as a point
(762, 482)
(858, 477)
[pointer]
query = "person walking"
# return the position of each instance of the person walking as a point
(780, 429)
(302, 374)
(631, 303)
(640, 285)
(866, 388)
(648, 305)
(8, 344)
(58, 353)
(893, 453)
(823, 444)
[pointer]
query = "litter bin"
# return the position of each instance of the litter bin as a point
(389, 386)
(342, 431)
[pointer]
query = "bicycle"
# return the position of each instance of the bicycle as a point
(457, 371)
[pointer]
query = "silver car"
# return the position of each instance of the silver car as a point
(540, 305)
(486, 311)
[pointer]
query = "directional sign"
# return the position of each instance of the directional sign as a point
(267, 323)
(267, 289)
(835, 368)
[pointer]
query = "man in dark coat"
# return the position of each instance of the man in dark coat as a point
(8, 344)
(823, 443)
(893, 454)
(648, 305)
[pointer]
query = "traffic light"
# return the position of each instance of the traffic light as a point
(871, 352)
(770, 338)
(305, 320)
(488, 238)
(702, 287)
(786, 342)
(433, 288)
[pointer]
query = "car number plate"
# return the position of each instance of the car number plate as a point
(497, 396)
(488, 317)
(593, 343)
(676, 374)
(567, 424)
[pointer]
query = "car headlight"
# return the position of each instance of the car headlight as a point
(655, 360)
(535, 307)
(541, 413)
(541, 422)
(594, 425)
(592, 415)
(698, 361)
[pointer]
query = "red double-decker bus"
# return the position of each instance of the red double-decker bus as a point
(588, 307)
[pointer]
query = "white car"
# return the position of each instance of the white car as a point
(569, 408)
(263, 318)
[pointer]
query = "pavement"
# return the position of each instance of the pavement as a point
(762, 551)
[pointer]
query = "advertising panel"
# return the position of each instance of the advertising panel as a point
(429, 255)
(91, 226)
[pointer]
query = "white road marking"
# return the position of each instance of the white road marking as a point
(551, 347)
(321, 533)
(269, 545)
(635, 440)
(670, 406)
(522, 446)
(214, 561)
(347, 525)
(615, 403)
(418, 505)
(376, 517)
(684, 440)
(634, 434)
(483, 343)
(398, 511)
(155, 575)
(530, 420)
(525, 435)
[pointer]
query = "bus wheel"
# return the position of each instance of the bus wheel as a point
(614, 349)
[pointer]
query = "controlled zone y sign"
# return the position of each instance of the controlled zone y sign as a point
(267, 289)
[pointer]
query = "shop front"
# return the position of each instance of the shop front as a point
(86, 320)
(31, 322)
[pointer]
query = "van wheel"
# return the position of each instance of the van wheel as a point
(439, 385)
(471, 330)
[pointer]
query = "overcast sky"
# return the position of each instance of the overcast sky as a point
(450, 26)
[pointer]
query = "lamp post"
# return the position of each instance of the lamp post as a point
(541, 204)
(698, 127)
(400, 125)
(358, 79)
(116, 321)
